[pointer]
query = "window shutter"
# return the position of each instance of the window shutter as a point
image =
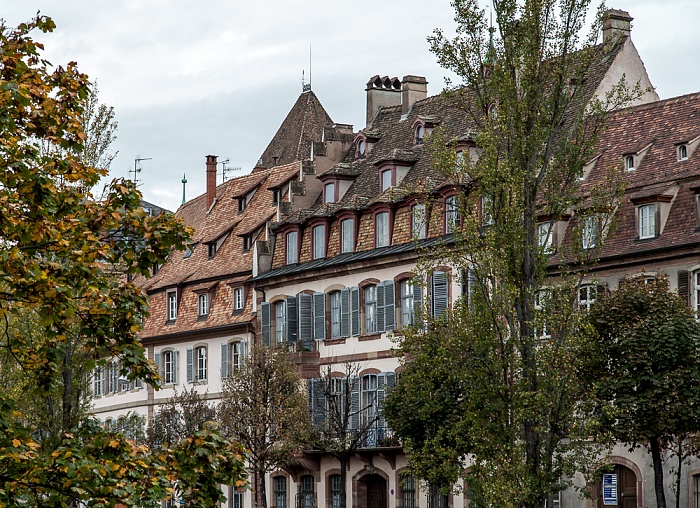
(292, 320)
(190, 366)
(389, 305)
(439, 293)
(471, 285)
(305, 320)
(417, 301)
(224, 360)
(355, 403)
(319, 316)
(355, 316)
(265, 322)
(175, 361)
(345, 313)
(684, 285)
(159, 366)
(380, 307)
(381, 393)
(319, 401)
(103, 380)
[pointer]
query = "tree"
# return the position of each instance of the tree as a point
(514, 343)
(181, 416)
(62, 256)
(646, 360)
(262, 407)
(342, 421)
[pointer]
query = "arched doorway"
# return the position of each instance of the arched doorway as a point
(620, 489)
(371, 491)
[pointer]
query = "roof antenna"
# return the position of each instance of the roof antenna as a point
(307, 87)
(225, 169)
(137, 168)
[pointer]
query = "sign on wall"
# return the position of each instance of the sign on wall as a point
(610, 489)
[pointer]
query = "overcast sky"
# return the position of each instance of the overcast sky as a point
(190, 78)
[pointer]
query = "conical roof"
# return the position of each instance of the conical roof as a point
(292, 142)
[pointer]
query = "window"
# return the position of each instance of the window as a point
(439, 293)
(347, 227)
(629, 162)
(292, 247)
(188, 251)
(329, 193)
(419, 223)
(337, 500)
(280, 322)
(335, 315)
(242, 204)
(237, 355)
(436, 499)
(235, 498)
(381, 226)
(211, 250)
(682, 152)
(307, 491)
(451, 213)
(203, 305)
(696, 294)
(408, 491)
(586, 297)
(407, 289)
(420, 133)
(369, 399)
(589, 232)
(319, 241)
(201, 355)
(172, 305)
(280, 492)
(362, 148)
(647, 221)
(238, 302)
(487, 215)
(545, 238)
(98, 379)
(387, 179)
(247, 243)
(370, 309)
(696, 491)
(169, 367)
(276, 196)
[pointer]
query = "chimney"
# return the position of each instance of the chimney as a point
(616, 24)
(413, 88)
(211, 180)
(382, 92)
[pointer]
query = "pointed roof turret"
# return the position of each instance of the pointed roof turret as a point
(292, 142)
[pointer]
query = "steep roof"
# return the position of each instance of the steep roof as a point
(303, 125)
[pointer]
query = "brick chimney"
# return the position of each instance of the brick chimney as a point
(413, 88)
(616, 23)
(211, 180)
(382, 92)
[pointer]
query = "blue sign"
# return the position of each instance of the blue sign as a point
(610, 489)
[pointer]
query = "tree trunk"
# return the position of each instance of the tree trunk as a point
(343, 478)
(658, 472)
(678, 473)
(262, 489)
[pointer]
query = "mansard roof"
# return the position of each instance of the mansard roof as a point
(303, 125)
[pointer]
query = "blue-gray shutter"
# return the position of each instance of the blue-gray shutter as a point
(292, 322)
(159, 366)
(389, 305)
(355, 310)
(224, 360)
(319, 316)
(354, 403)
(381, 393)
(190, 365)
(439, 293)
(175, 362)
(345, 313)
(417, 301)
(305, 321)
(318, 402)
(471, 284)
(265, 322)
(380, 306)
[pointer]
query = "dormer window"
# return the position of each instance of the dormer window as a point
(682, 152)
(361, 148)
(211, 249)
(387, 177)
(647, 221)
(242, 204)
(329, 193)
(629, 162)
(276, 197)
(420, 133)
(247, 243)
(188, 251)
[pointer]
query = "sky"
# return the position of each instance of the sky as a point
(188, 79)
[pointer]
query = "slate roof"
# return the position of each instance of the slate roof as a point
(303, 125)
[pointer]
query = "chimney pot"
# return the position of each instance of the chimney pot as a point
(616, 23)
(211, 180)
(381, 92)
(413, 88)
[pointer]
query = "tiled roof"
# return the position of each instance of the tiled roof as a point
(303, 125)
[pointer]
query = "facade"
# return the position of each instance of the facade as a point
(317, 248)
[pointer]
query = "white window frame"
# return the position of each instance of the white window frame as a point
(203, 304)
(589, 232)
(452, 214)
(629, 163)
(370, 304)
(336, 317)
(168, 358)
(292, 247)
(201, 363)
(238, 302)
(487, 218)
(347, 230)
(545, 236)
(696, 293)
(590, 293)
(419, 223)
(236, 355)
(171, 299)
(407, 289)
(387, 179)
(370, 402)
(319, 241)
(381, 225)
(647, 221)
(280, 322)
(329, 192)
(682, 152)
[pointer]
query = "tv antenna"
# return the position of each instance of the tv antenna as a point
(304, 86)
(137, 167)
(225, 169)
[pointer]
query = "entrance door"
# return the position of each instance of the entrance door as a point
(626, 488)
(376, 491)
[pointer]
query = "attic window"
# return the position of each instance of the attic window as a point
(211, 249)
(420, 133)
(188, 251)
(682, 152)
(247, 243)
(242, 204)
(629, 162)
(276, 198)
(361, 148)
(329, 193)
(387, 179)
